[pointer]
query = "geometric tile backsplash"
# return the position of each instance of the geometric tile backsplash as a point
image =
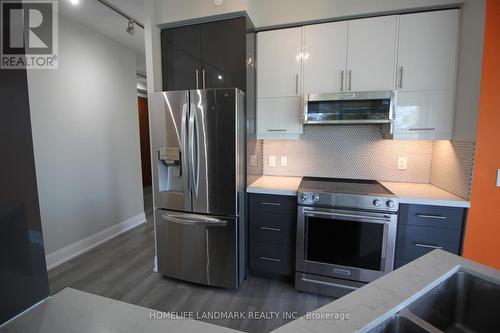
(350, 152)
(452, 166)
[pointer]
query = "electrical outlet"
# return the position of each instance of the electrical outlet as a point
(253, 160)
(402, 163)
(284, 161)
(498, 178)
(272, 160)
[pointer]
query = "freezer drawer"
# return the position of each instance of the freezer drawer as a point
(197, 248)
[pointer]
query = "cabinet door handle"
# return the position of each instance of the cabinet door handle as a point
(428, 246)
(350, 79)
(342, 80)
(276, 130)
(435, 217)
(270, 203)
(421, 129)
(270, 259)
(401, 69)
(297, 83)
(203, 74)
(197, 81)
(270, 229)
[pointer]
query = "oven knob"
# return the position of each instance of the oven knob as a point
(377, 203)
(390, 204)
(303, 197)
(315, 197)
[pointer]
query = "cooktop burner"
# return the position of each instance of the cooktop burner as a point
(346, 193)
(339, 185)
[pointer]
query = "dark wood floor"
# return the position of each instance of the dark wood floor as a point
(121, 269)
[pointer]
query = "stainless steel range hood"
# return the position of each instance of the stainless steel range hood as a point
(348, 108)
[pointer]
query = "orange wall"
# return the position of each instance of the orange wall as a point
(482, 238)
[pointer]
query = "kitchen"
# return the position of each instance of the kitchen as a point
(324, 154)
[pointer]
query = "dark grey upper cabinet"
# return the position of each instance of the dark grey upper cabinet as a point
(223, 48)
(181, 57)
(208, 55)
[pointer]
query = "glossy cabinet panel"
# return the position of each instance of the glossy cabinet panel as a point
(223, 49)
(279, 63)
(426, 75)
(279, 82)
(278, 118)
(23, 271)
(203, 56)
(423, 115)
(325, 57)
(181, 58)
(371, 54)
(427, 51)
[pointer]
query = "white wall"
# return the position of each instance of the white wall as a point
(168, 11)
(86, 137)
(269, 13)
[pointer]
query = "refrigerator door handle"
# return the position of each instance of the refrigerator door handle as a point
(193, 156)
(184, 147)
(194, 220)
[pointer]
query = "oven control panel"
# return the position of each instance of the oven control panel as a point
(348, 201)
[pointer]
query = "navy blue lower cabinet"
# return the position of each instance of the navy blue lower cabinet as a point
(272, 231)
(423, 228)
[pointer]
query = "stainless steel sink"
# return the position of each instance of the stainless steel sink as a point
(398, 324)
(463, 303)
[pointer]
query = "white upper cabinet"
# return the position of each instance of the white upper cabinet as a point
(279, 83)
(279, 63)
(414, 54)
(426, 75)
(371, 54)
(325, 57)
(279, 118)
(427, 51)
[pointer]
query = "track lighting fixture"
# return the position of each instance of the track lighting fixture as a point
(130, 28)
(132, 22)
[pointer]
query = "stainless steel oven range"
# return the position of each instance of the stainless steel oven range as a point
(346, 233)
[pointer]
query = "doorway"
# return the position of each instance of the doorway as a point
(142, 108)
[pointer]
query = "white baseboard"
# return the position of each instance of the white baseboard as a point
(71, 251)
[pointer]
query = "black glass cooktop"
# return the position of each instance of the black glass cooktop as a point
(339, 185)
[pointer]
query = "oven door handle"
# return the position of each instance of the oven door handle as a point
(386, 218)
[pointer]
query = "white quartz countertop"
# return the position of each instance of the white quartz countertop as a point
(275, 185)
(408, 193)
(425, 194)
(78, 312)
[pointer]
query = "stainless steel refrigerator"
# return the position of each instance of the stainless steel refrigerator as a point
(198, 151)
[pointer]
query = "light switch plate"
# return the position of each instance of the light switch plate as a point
(272, 160)
(253, 160)
(498, 178)
(284, 161)
(402, 163)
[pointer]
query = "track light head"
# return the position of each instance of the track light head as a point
(130, 28)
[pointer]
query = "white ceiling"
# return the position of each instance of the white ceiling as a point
(99, 17)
